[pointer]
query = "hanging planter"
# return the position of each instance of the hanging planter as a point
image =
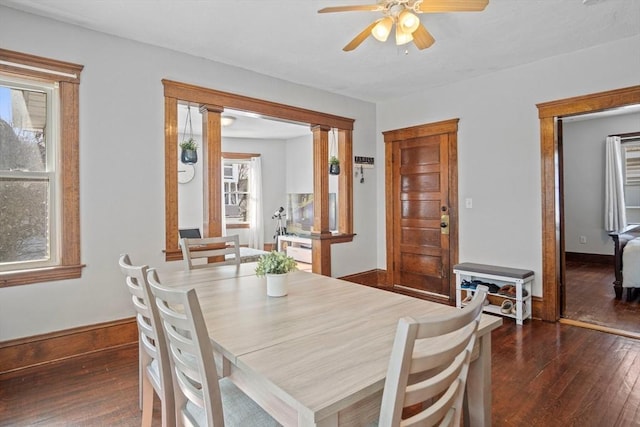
(334, 163)
(189, 155)
(334, 166)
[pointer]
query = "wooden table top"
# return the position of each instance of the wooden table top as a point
(321, 348)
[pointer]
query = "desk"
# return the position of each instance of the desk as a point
(319, 356)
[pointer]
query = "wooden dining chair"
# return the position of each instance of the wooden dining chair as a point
(154, 370)
(428, 367)
(201, 398)
(208, 247)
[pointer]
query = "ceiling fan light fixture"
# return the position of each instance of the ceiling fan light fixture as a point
(402, 37)
(408, 21)
(382, 29)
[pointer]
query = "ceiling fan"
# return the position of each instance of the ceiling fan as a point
(402, 13)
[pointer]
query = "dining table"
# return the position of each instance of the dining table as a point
(319, 355)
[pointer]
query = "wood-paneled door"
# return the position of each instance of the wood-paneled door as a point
(422, 232)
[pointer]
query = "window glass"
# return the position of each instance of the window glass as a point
(632, 163)
(26, 175)
(24, 217)
(631, 151)
(23, 122)
(236, 191)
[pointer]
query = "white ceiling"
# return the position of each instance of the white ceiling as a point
(289, 40)
(246, 125)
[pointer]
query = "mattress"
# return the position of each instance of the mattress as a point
(631, 264)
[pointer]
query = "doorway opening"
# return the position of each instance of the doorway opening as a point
(553, 225)
(211, 104)
(422, 209)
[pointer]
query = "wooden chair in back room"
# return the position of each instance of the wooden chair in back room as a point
(227, 248)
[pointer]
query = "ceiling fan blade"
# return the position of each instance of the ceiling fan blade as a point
(359, 38)
(365, 7)
(422, 38)
(436, 6)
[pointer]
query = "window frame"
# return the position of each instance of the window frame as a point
(49, 175)
(630, 144)
(627, 146)
(235, 158)
(16, 65)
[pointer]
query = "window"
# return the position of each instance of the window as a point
(236, 192)
(27, 174)
(631, 152)
(39, 221)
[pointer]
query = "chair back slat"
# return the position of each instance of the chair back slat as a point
(429, 364)
(191, 351)
(152, 341)
(224, 250)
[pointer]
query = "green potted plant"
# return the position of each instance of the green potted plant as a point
(334, 166)
(275, 266)
(189, 154)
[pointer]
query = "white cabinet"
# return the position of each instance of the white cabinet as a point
(521, 280)
(299, 248)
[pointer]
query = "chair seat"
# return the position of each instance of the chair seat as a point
(239, 409)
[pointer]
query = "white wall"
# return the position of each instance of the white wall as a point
(499, 145)
(584, 163)
(298, 165)
(299, 168)
(122, 165)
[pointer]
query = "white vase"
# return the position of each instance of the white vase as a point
(277, 285)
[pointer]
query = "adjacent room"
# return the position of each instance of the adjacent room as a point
(270, 213)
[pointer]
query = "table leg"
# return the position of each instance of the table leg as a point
(479, 385)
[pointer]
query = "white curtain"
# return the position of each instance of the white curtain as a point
(224, 214)
(256, 230)
(615, 217)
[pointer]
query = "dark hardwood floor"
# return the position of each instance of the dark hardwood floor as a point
(590, 298)
(544, 374)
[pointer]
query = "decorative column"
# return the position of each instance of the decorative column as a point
(211, 170)
(321, 254)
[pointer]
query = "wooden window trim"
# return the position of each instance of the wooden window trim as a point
(212, 104)
(232, 226)
(67, 75)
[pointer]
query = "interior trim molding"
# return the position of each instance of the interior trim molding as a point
(368, 278)
(38, 350)
(600, 328)
(551, 114)
(212, 103)
(590, 258)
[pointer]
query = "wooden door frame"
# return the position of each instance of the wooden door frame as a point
(549, 114)
(449, 127)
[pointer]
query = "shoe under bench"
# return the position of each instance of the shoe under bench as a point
(500, 276)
